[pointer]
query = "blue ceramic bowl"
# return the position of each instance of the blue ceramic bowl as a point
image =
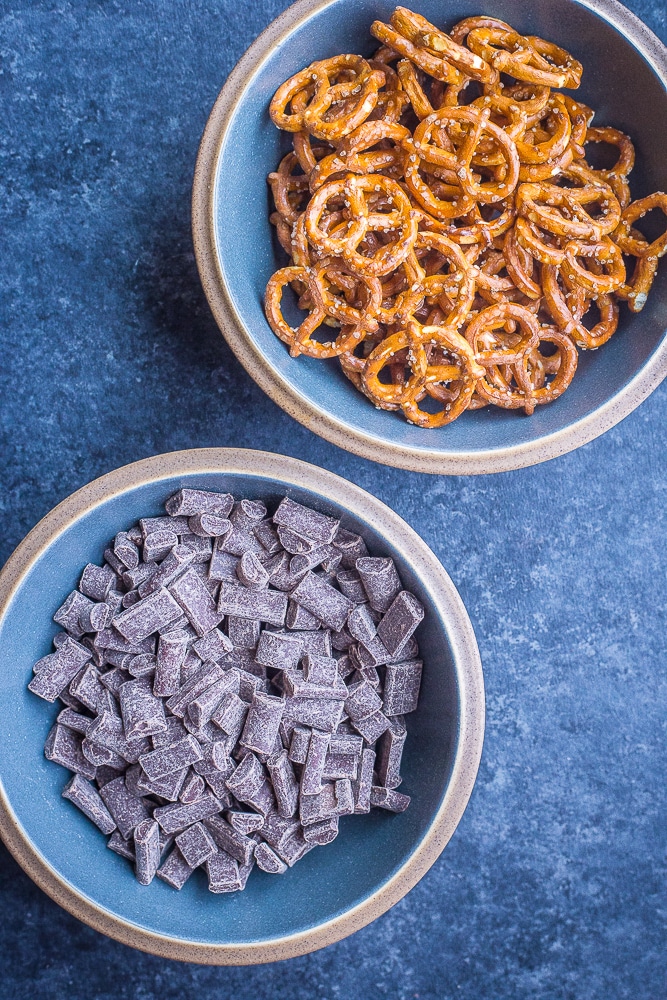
(625, 80)
(333, 891)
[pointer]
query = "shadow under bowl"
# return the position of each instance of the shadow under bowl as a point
(625, 81)
(332, 892)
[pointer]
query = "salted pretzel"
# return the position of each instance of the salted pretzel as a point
(447, 238)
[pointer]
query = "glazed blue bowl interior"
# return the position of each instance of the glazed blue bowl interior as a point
(329, 880)
(617, 82)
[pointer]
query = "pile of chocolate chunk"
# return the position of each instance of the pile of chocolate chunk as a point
(232, 684)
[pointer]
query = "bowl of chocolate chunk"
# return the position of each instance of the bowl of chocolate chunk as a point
(243, 706)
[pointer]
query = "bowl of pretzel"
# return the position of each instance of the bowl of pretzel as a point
(434, 237)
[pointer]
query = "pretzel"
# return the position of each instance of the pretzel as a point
(448, 244)
(637, 210)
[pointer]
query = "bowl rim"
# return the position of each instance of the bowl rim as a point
(304, 410)
(465, 657)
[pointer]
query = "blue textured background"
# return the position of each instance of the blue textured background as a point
(554, 883)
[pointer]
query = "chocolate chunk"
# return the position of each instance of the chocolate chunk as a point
(69, 613)
(387, 798)
(149, 525)
(311, 776)
(251, 573)
(262, 722)
(380, 580)
(323, 600)
(158, 545)
(175, 871)
(147, 851)
(362, 701)
(372, 727)
(126, 809)
(125, 550)
(230, 715)
(277, 830)
(107, 731)
(206, 675)
(202, 708)
(320, 670)
(343, 758)
(119, 845)
(212, 646)
(87, 688)
(247, 513)
(301, 563)
(158, 763)
(172, 566)
(352, 547)
(360, 624)
(322, 832)
(261, 605)
(86, 798)
(56, 670)
(223, 564)
(101, 756)
(190, 502)
(324, 714)
(209, 525)
(173, 818)
(389, 754)
(174, 732)
(295, 685)
(316, 643)
(268, 860)
(400, 621)
(306, 521)
(344, 796)
(63, 746)
(401, 687)
(201, 546)
(267, 536)
(294, 543)
(279, 650)
(314, 808)
(96, 617)
(97, 581)
(74, 721)
(196, 845)
(192, 789)
(245, 822)
(141, 711)
(298, 618)
(192, 595)
(285, 785)
(244, 633)
(114, 562)
(145, 617)
(299, 743)
(223, 873)
(142, 665)
(250, 785)
(237, 845)
(167, 787)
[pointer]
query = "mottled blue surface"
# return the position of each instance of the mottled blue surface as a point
(554, 883)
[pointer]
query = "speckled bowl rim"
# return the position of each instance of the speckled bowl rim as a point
(311, 415)
(465, 657)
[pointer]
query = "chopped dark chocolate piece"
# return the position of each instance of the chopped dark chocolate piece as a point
(175, 757)
(56, 670)
(322, 832)
(261, 605)
(86, 798)
(69, 613)
(206, 675)
(142, 665)
(306, 521)
(149, 525)
(196, 844)
(145, 617)
(267, 536)
(350, 583)
(230, 715)
(250, 785)
(294, 543)
(380, 580)
(202, 548)
(320, 670)
(125, 550)
(324, 805)
(237, 845)
(372, 727)
(268, 860)
(190, 502)
(400, 621)
(167, 787)
(63, 746)
(202, 708)
(245, 822)
(285, 785)
(401, 687)
(87, 688)
(251, 573)
(360, 624)
(244, 633)
(193, 596)
(313, 769)
(74, 720)
(324, 714)
(159, 544)
(141, 711)
(352, 548)
(119, 845)
(223, 873)
(209, 525)
(175, 871)
(126, 809)
(389, 754)
(147, 851)
(173, 818)
(97, 581)
(387, 798)
(323, 600)
(298, 618)
(295, 685)
(362, 701)
(172, 566)
(344, 796)
(213, 646)
(262, 722)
